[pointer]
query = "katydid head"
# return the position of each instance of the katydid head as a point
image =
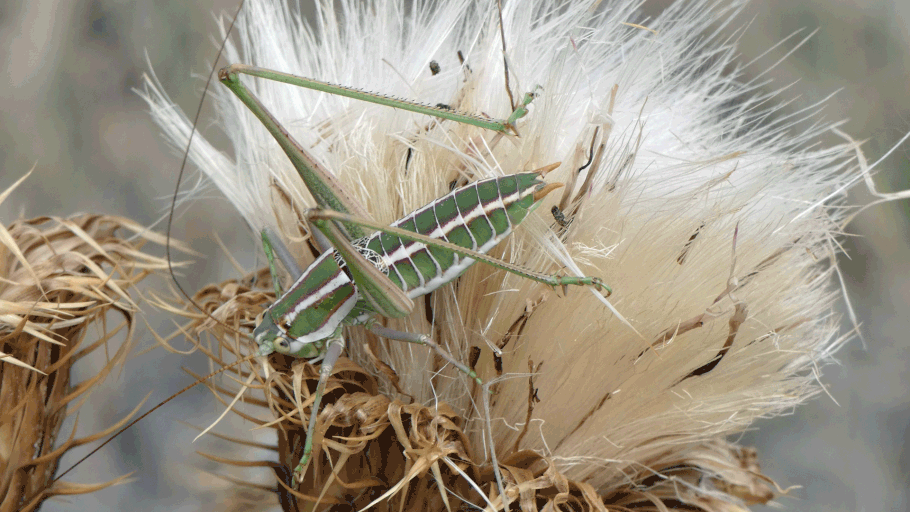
(268, 336)
(272, 338)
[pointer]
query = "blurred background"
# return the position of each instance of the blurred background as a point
(68, 108)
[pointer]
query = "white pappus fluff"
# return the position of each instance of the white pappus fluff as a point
(688, 192)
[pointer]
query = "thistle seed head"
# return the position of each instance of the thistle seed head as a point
(714, 227)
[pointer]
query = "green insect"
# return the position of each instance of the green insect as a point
(361, 277)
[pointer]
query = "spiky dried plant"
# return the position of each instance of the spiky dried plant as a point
(64, 281)
(710, 212)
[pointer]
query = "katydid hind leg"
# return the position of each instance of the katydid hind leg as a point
(421, 339)
(372, 283)
(441, 112)
(324, 187)
(548, 279)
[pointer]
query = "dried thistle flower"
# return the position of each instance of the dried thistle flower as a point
(62, 279)
(713, 220)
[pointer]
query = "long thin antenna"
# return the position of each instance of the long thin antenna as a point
(186, 156)
(170, 265)
(153, 409)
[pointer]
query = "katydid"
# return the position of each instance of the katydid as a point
(362, 277)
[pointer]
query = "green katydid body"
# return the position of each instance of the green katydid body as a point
(475, 217)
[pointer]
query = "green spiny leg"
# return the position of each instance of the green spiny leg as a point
(325, 188)
(328, 192)
(421, 339)
(562, 281)
(522, 109)
(380, 99)
(334, 348)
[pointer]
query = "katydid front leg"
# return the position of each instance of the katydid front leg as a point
(277, 248)
(334, 349)
(329, 351)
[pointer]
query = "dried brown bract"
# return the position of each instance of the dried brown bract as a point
(62, 279)
(371, 450)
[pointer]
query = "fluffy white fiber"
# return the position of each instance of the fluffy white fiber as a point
(701, 207)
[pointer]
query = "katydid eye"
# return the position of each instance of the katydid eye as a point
(284, 344)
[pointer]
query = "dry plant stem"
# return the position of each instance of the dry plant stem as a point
(62, 279)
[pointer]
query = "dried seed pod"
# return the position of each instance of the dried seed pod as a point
(64, 282)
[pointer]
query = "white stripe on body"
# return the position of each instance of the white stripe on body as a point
(337, 282)
(407, 249)
(329, 326)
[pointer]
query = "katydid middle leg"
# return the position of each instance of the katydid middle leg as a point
(420, 339)
(273, 246)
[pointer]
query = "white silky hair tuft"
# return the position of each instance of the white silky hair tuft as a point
(689, 191)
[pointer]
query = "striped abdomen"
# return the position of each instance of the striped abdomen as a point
(477, 217)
